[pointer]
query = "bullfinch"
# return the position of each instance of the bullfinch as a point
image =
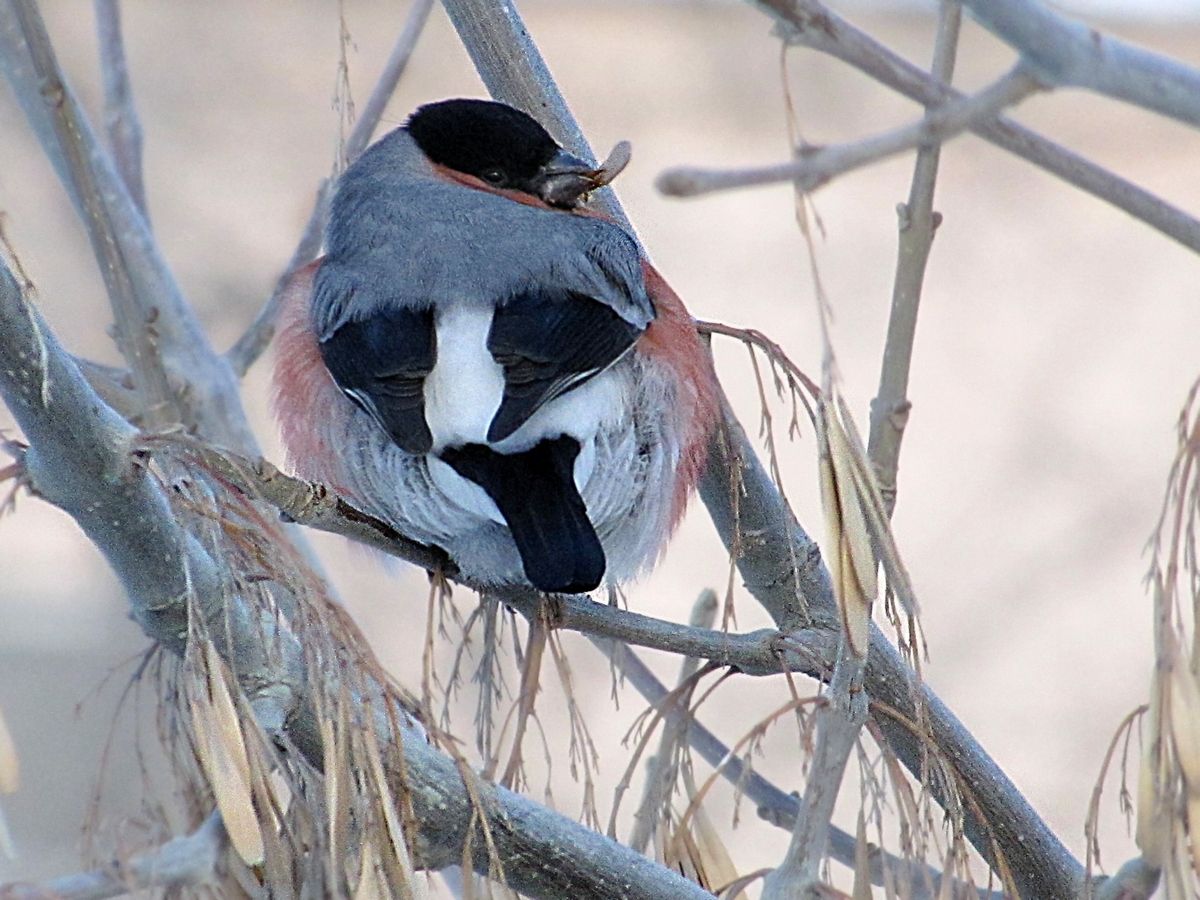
(490, 367)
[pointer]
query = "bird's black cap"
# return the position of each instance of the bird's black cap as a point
(494, 142)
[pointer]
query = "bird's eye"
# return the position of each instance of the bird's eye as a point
(494, 176)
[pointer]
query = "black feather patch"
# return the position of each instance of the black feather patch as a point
(381, 363)
(550, 341)
(535, 492)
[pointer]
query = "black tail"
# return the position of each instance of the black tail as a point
(535, 492)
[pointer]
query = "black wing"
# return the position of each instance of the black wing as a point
(550, 341)
(380, 363)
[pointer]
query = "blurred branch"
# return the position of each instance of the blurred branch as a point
(918, 223)
(381, 94)
(662, 769)
(250, 346)
(838, 725)
(812, 24)
(1136, 880)
(816, 166)
(148, 305)
(254, 340)
(66, 118)
(120, 112)
(186, 861)
(1067, 53)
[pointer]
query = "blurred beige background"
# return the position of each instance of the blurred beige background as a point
(1057, 340)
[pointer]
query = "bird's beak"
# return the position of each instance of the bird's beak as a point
(567, 179)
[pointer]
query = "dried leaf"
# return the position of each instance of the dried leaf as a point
(833, 516)
(682, 855)
(1150, 834)
(225, 766)
(618, 158)
(734, 889)
(338, 782)
(712, 857)
(846, 530)
(877, 520)
(851, 504)
(277, 859)
(856, 608)
(408, 885)
(371, 883)
(10, 767)
(225, 712)
(1185, 724)
(231, 791)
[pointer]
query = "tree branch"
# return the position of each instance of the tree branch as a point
(812, 24)
(68, 121)
(816, 166)
(147, 299)
(120, 112)
(759, 653)
(389, 78)
(1005, 828)
(774, 806)
(918, 224)
(662, 769)
(186, 861)
(1067, 53)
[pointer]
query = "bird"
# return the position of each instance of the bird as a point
(490, 366)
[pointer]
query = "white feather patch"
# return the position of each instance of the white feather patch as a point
(465, 388)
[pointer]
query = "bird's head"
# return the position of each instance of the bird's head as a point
(507, 150)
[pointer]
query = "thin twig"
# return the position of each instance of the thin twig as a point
(838, 725)
(157, 313)
(918, 222)
(133, 320)
(774, 805)
(1067, 53)
(771, 564)
(250, 345)
(381, 94)
(812, 24)
(254, 340)
(663, 767)
(121, 119)
(816, 166)
(758, 653)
